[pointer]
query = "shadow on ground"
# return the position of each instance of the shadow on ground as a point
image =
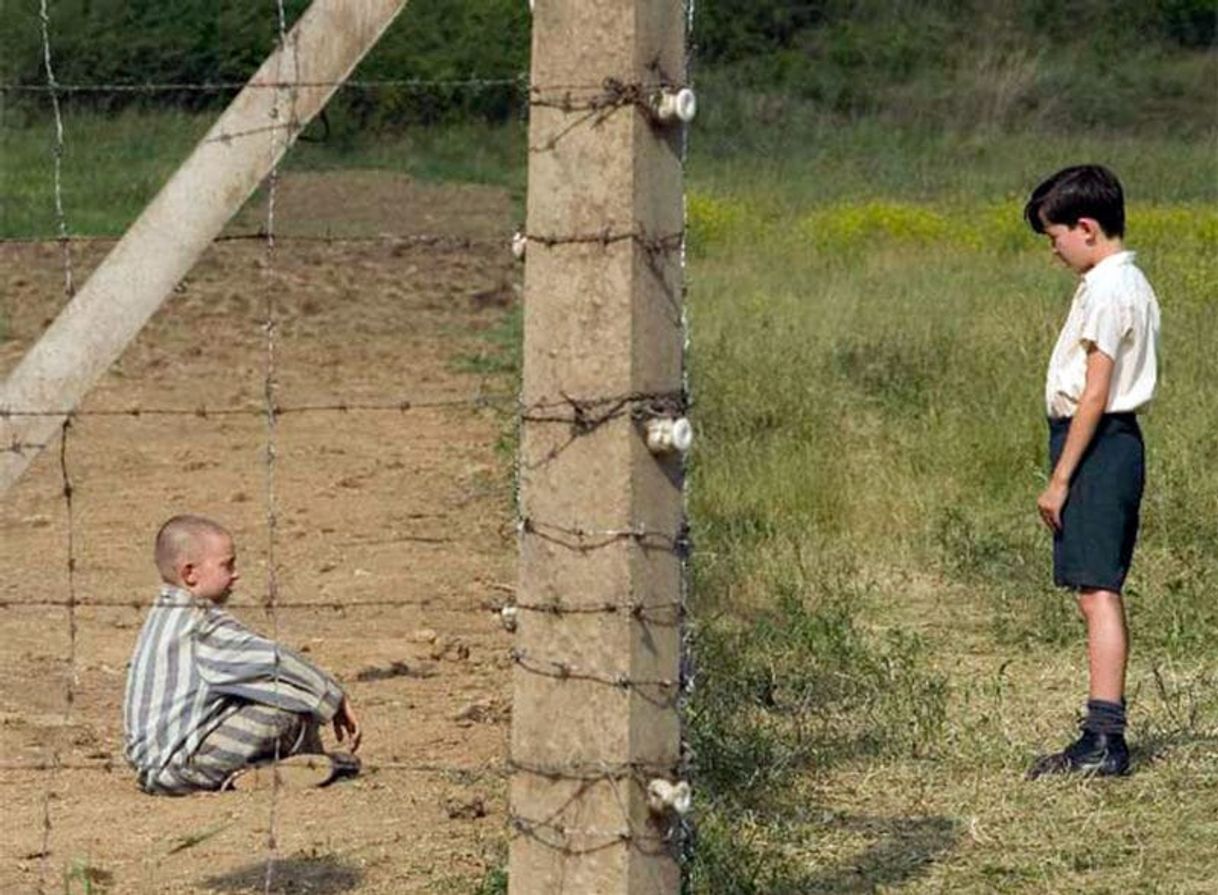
(904, 847)
(886, 852)
(289, 876)
(1158, 746)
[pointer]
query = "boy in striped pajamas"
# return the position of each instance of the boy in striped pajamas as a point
(208, 701)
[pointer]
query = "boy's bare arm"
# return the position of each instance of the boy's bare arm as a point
(1091, 406)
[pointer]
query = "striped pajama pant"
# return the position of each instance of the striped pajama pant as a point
(253, 734)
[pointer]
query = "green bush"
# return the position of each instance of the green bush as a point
(955, 62)
(223, 42)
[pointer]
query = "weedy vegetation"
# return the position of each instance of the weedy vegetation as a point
(877, 650)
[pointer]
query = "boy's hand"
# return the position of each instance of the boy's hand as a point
(347, 725)
(1050, 504)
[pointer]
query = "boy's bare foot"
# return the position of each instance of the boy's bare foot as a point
(295, 772)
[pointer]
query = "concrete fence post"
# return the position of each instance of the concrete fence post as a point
(596, 676)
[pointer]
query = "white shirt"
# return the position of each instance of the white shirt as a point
(1115, 310)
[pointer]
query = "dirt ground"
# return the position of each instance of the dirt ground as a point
(410, 506)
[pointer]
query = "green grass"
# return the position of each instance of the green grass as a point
(111, 168)
(495, 882)
(113, 165)
(84, 878)
(805, 158)
(469, 152)
(881, 651)
(499, 349)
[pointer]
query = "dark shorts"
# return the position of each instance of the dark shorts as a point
(1100, 519)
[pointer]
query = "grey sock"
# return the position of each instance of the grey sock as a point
(1105, 717)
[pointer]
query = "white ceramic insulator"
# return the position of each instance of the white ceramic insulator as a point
(676, 105)
(666, 435)
(520, 242)
(508, 615)
(663, 797)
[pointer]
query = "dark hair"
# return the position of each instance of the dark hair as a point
(1081, 191)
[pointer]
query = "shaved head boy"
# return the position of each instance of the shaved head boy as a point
(208, 701)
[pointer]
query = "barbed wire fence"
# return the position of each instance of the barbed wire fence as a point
(594, 101)
(269, 392)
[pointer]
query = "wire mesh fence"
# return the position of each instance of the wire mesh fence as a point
(60, 762)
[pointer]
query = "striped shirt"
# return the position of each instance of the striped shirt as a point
(194, 665)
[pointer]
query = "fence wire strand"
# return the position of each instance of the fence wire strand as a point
(585, 105)
(57, 153)
(568, 96)
(153, 87)
(270, 388)
(685, 770)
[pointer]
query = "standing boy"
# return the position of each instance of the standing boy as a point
(208, 700)
(1101, 374)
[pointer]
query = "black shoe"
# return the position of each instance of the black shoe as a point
(304, 771)
(343, 765)
(1093, 754)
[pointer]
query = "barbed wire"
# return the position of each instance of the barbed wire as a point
(557, 836)
(646, 612)
(579, 538)
(555, 833)
(584, 772)
(559, 670)
(583, 415)
(564, 95)
(329, 605)
(596, 104)
(265, 129)
(270, 387)
(428, 240)
(654, 247)
(651, 613)
(66, 479)
(118, 764)
(151, 87)
(638, 770)
(606, 237)
(57, 150)
(686, 666)
(478, 400)
(589, 413)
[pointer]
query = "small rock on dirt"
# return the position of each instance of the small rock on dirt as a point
(465, 809)
(453, 649)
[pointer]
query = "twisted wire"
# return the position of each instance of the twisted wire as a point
(57, 153)
(57, 150)
(583, 415)
(270, 385)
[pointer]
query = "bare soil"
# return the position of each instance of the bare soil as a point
(410, 506)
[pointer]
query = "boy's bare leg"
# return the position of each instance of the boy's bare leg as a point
(1101, 749)
(1107, 642)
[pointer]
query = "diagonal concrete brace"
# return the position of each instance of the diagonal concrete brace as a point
(243, 146)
